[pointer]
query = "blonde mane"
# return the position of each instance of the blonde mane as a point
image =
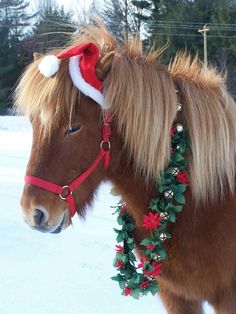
(140, 94)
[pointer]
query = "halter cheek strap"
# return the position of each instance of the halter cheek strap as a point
(66, 192)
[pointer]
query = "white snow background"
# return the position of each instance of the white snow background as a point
(68, 273)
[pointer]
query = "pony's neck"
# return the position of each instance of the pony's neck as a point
(135, 192)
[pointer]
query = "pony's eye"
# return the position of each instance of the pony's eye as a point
(72, 129)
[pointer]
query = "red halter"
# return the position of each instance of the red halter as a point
(66, 192)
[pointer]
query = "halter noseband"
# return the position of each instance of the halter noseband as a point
(66, 192)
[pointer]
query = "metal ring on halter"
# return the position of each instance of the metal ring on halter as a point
(108, 143)
(69, 192)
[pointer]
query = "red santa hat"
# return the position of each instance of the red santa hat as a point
(82, 67)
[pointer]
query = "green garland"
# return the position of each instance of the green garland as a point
(137, 280)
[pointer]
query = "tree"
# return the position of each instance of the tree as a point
(13, 20)
(141, 12)
(53, 27)
(125, 17)
(178, 21)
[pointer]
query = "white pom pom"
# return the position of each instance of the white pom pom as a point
(49, 65)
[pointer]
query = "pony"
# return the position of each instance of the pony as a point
(141, 99)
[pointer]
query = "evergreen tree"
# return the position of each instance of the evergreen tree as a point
(13, 19)
(141, 12)
(178, 22)
(53, 27)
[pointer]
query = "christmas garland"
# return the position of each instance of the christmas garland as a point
(137, 280)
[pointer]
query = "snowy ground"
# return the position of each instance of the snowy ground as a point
(67, 273)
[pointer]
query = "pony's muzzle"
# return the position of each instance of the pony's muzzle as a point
(42, 223)
(44, 211)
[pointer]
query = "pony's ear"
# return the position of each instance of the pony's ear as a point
(104, 64)
(37, 56)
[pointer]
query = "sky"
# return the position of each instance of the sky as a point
(79, 7)
(72, 3)
(80, 3)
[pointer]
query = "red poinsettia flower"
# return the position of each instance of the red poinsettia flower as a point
(119, 249)
(120, 264)
(144, 285)
(150, 247)
(156, 270)
(128, 291)
(172, 131)
(182, 176)
(151, 221)
(143, 259)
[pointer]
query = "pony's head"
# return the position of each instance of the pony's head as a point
(68, 131)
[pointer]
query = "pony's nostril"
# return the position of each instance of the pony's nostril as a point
(39, 217)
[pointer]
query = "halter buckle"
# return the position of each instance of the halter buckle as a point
(66, 191)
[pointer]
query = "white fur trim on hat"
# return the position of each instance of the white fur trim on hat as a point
(49, 65)
(81, 84)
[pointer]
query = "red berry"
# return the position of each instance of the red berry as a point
(150, 247)
(123, 209)
(120, 264)
(144, 285)
(128, 291)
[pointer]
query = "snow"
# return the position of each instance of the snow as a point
(68, 273)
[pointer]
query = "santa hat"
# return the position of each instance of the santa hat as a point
(82, 63)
